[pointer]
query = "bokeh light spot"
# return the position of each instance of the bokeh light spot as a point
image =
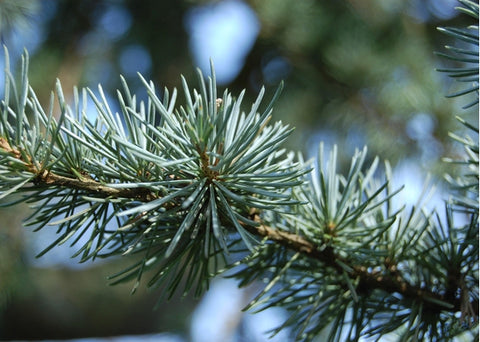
(224, 32)
(115, 22)
(135, 58)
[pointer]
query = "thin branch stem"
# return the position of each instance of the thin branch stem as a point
(86, 183)
(91, 186)
(391, 282)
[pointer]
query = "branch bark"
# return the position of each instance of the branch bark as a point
(390, 281)
(94, 187)
(86, 183)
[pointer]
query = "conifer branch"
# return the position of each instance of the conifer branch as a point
(198, 189)
(42, 177)
(390, 281)
(90, 186)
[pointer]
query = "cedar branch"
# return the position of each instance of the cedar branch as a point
(87, 184)
(391, 281)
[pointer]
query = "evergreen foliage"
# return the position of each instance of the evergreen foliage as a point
(189, 192)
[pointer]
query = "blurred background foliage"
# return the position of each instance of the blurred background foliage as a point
(357, 72)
